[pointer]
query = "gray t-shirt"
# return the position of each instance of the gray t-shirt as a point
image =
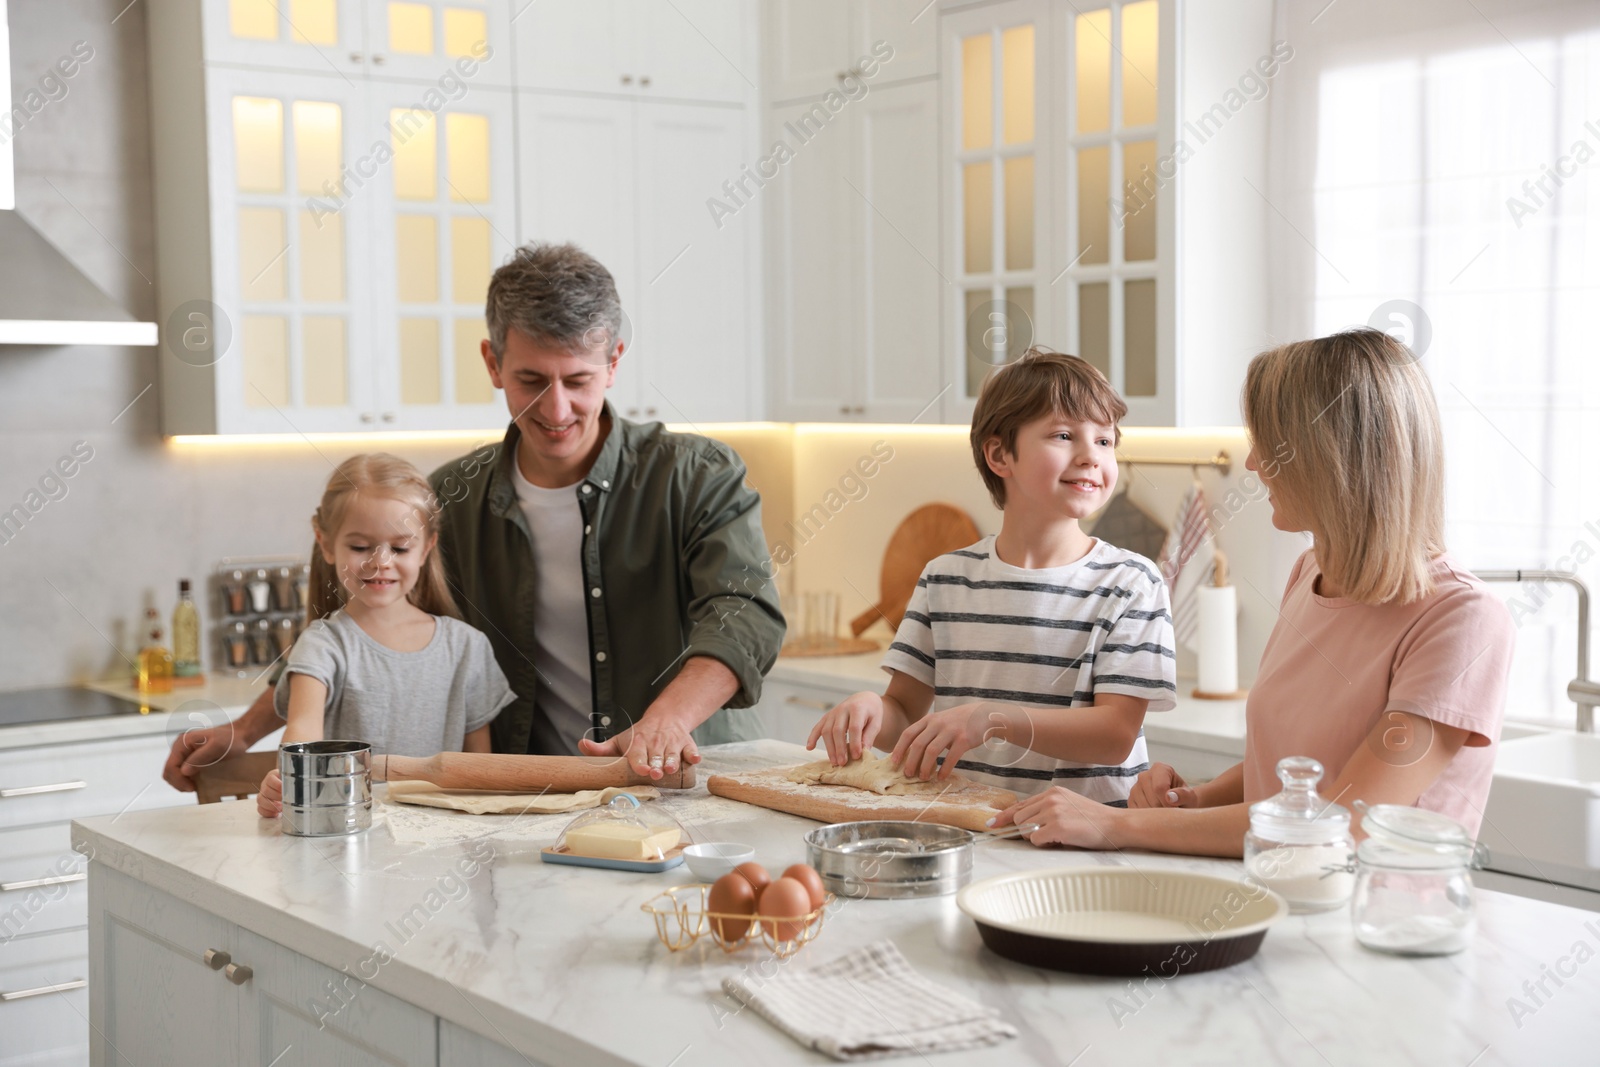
(401, 703)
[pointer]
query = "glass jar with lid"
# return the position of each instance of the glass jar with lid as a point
(1299, 844)
(1413, 893)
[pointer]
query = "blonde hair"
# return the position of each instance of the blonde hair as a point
(1365, 466)
(1040, 382)
(384, 475)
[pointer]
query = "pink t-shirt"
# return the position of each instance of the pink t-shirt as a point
(1332, 668)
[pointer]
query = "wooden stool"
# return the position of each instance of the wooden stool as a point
(236, 776)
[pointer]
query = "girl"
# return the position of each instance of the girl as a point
(1388, 662)
(385, 657)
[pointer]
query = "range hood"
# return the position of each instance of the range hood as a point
(44, 299)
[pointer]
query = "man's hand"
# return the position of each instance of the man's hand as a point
(1064, 818)
(269, 799)
(195, 750)
(850, 728)
(951, 732)
(653, 746)
(1162, 787)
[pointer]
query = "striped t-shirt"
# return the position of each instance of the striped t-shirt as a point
(980, 629)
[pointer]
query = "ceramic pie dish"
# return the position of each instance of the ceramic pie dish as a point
(1121, 920)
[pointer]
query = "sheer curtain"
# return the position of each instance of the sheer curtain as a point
(1434, 170)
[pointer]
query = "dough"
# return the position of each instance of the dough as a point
(482, 802)
(872, 773)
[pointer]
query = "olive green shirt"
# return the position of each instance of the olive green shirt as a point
(673, 541)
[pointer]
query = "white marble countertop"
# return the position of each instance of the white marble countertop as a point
(560, 963)
(1215, 726)
(218, 700)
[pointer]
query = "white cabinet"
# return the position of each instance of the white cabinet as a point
(815, 45)
(683, 50)
(44, 999)
(686, 277)
(172, 983)
(856, 294)
(408, 39)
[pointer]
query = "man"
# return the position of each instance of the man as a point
(619, 570)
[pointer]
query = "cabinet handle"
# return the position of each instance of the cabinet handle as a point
(355, 57)
(366, 416)
(627, 79)
(844, 409)
(633, 413)
(645, 81)
(237, 973)
(39, 991)
(649, 411)
(377, 61)
(31, 790)
(861, 409)
(388, 416)
(35, 883)
(216, 959)
(820, 705)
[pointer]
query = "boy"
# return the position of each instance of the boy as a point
(1040, 648)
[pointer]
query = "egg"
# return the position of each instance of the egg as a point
(731, 895)
(807, 876)
(755, 874)
(785, 899)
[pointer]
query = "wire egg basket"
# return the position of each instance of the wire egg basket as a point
(682, 917)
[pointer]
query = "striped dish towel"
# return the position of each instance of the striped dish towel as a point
(1186, 562)
(870, 1005)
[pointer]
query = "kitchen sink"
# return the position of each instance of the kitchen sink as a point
(1543, 815)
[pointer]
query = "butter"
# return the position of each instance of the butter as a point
(621, 841)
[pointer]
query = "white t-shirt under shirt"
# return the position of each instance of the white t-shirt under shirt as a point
(560, 621)
(978, 628)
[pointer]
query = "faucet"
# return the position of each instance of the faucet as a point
(1582, 691)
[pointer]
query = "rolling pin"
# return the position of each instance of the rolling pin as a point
(510, 773)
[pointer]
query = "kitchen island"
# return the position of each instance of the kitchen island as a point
(441, 938)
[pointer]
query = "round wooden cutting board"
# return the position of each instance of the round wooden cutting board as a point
(928, 532)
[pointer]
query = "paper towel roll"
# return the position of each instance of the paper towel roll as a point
(1218, 649)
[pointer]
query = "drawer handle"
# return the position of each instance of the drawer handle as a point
(35, 883)
(216, 959)
(238, 973)
(820, 705)
(39, 991)
(31, 790)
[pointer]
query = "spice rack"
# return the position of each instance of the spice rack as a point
(259, 609)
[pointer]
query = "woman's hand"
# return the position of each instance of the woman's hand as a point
(1162, 787)
(850, 728)
(1065, 818)
(269, 798)
(950, 732)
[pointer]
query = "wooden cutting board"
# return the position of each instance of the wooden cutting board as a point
(965, 804)
(928, 532)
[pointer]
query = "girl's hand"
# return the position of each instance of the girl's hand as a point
(1064, 818)
(269, 799)
(1162, 787)
(951, 732)
(850, 728)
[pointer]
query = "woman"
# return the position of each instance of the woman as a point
(1388, 662)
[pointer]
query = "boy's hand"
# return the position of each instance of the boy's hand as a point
(951, 732)
(850, 728)
(1162, 787)
(269, 800)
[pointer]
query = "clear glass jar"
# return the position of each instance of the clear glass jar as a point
(1413, 894)
(1299, 844)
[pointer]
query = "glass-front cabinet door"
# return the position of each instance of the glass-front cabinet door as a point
(451, 45)
(1058, 147)
(322, 36)
(444, 218)
(291, 247)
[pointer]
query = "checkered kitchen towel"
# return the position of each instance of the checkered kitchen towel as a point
(870, 1005)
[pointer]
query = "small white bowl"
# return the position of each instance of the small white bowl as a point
(712, 860)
